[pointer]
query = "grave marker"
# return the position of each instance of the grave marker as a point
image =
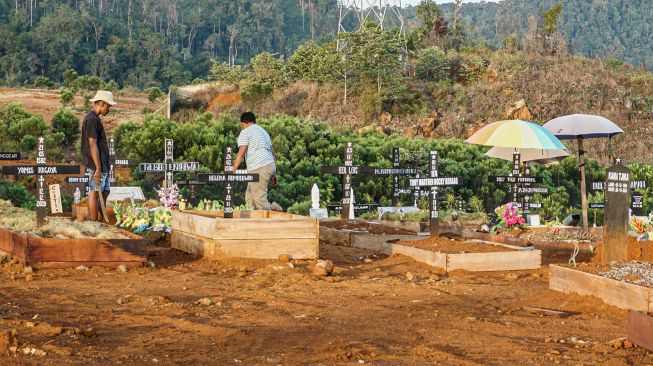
(615, 226)
(55, 199)
(228, 177)
(169, 166)
(636, 200)
(41, 169)
(7, 156)
(348, 170)
(637, 204)
(434, 181)
(114, 162)
(191, 183)
(521, 185)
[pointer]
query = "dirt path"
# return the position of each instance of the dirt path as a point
(390, 311)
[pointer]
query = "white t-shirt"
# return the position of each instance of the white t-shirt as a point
(259, 147)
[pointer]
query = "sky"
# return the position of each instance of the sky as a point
(415, 2)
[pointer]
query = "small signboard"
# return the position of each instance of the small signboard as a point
(55, 199)
(637, 204)
(9, 156)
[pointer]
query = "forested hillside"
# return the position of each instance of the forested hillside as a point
(171, 42)
(145, 43)
(602, 29)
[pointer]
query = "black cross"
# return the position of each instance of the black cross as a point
(228, 177)
(635, 203)
(115, 162)
(169, 167)
(346, 171)
(191, 183)
(434, 181)
(6, 156)
(521, 185)
(41, 169)
(79, 180)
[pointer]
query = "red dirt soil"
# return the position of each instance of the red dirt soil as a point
(445, 245)
(266, 313)
(364, 227)
(46, 102)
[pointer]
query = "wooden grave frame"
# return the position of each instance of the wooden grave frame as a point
(44, 253)
(617, 293)
(249, 234)
(519, 259)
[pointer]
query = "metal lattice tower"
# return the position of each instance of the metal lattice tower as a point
(375, 10)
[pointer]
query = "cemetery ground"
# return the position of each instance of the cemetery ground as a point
(375, 310)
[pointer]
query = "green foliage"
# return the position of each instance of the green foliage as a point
(300, 208)
(19, 128)
(254, 92)
(224, 73)
(551, 18)
(266, 69)
(433, 64)
(554, 206)
(370, 105)
(17, 194)
(67, 96)
(65, 121)
(312, 62)
(154, 93)
(43, 82)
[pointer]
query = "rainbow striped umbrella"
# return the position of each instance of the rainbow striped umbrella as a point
(516, 134)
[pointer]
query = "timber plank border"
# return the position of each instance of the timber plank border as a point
(519, 259)
(623, 295)
(250, 234)
(640, 329)
(41, 253)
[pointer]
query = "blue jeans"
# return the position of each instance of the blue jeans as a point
(92, 184)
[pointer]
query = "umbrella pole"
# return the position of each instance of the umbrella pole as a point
(583, 187)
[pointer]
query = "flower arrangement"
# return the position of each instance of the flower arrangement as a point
(140, 218)
(509, 218)
(169, 197)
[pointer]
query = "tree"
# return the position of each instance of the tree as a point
(153, 94)
(551, 18)
(65, 121)
(433, 64)
(268, 69)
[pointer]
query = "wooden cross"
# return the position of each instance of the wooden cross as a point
(228, 177)
(169, 167)
(521, 185)
(346, 171)
(79, 180)
(434, 181)
(8, 156)
(41, 169)
(114, 162)
(191, 183)
(635, 200)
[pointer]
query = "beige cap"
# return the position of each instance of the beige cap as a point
(105, 96)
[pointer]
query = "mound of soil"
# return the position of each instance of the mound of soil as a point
(445, 245)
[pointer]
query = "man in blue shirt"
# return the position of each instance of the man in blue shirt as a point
(255, 147)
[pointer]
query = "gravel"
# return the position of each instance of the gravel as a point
(636, 272)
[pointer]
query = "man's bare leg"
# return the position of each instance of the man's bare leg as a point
(93, 205)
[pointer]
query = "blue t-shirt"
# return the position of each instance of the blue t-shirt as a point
(259, 147)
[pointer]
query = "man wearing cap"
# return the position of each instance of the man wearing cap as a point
(95, 150)
(255, 147)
